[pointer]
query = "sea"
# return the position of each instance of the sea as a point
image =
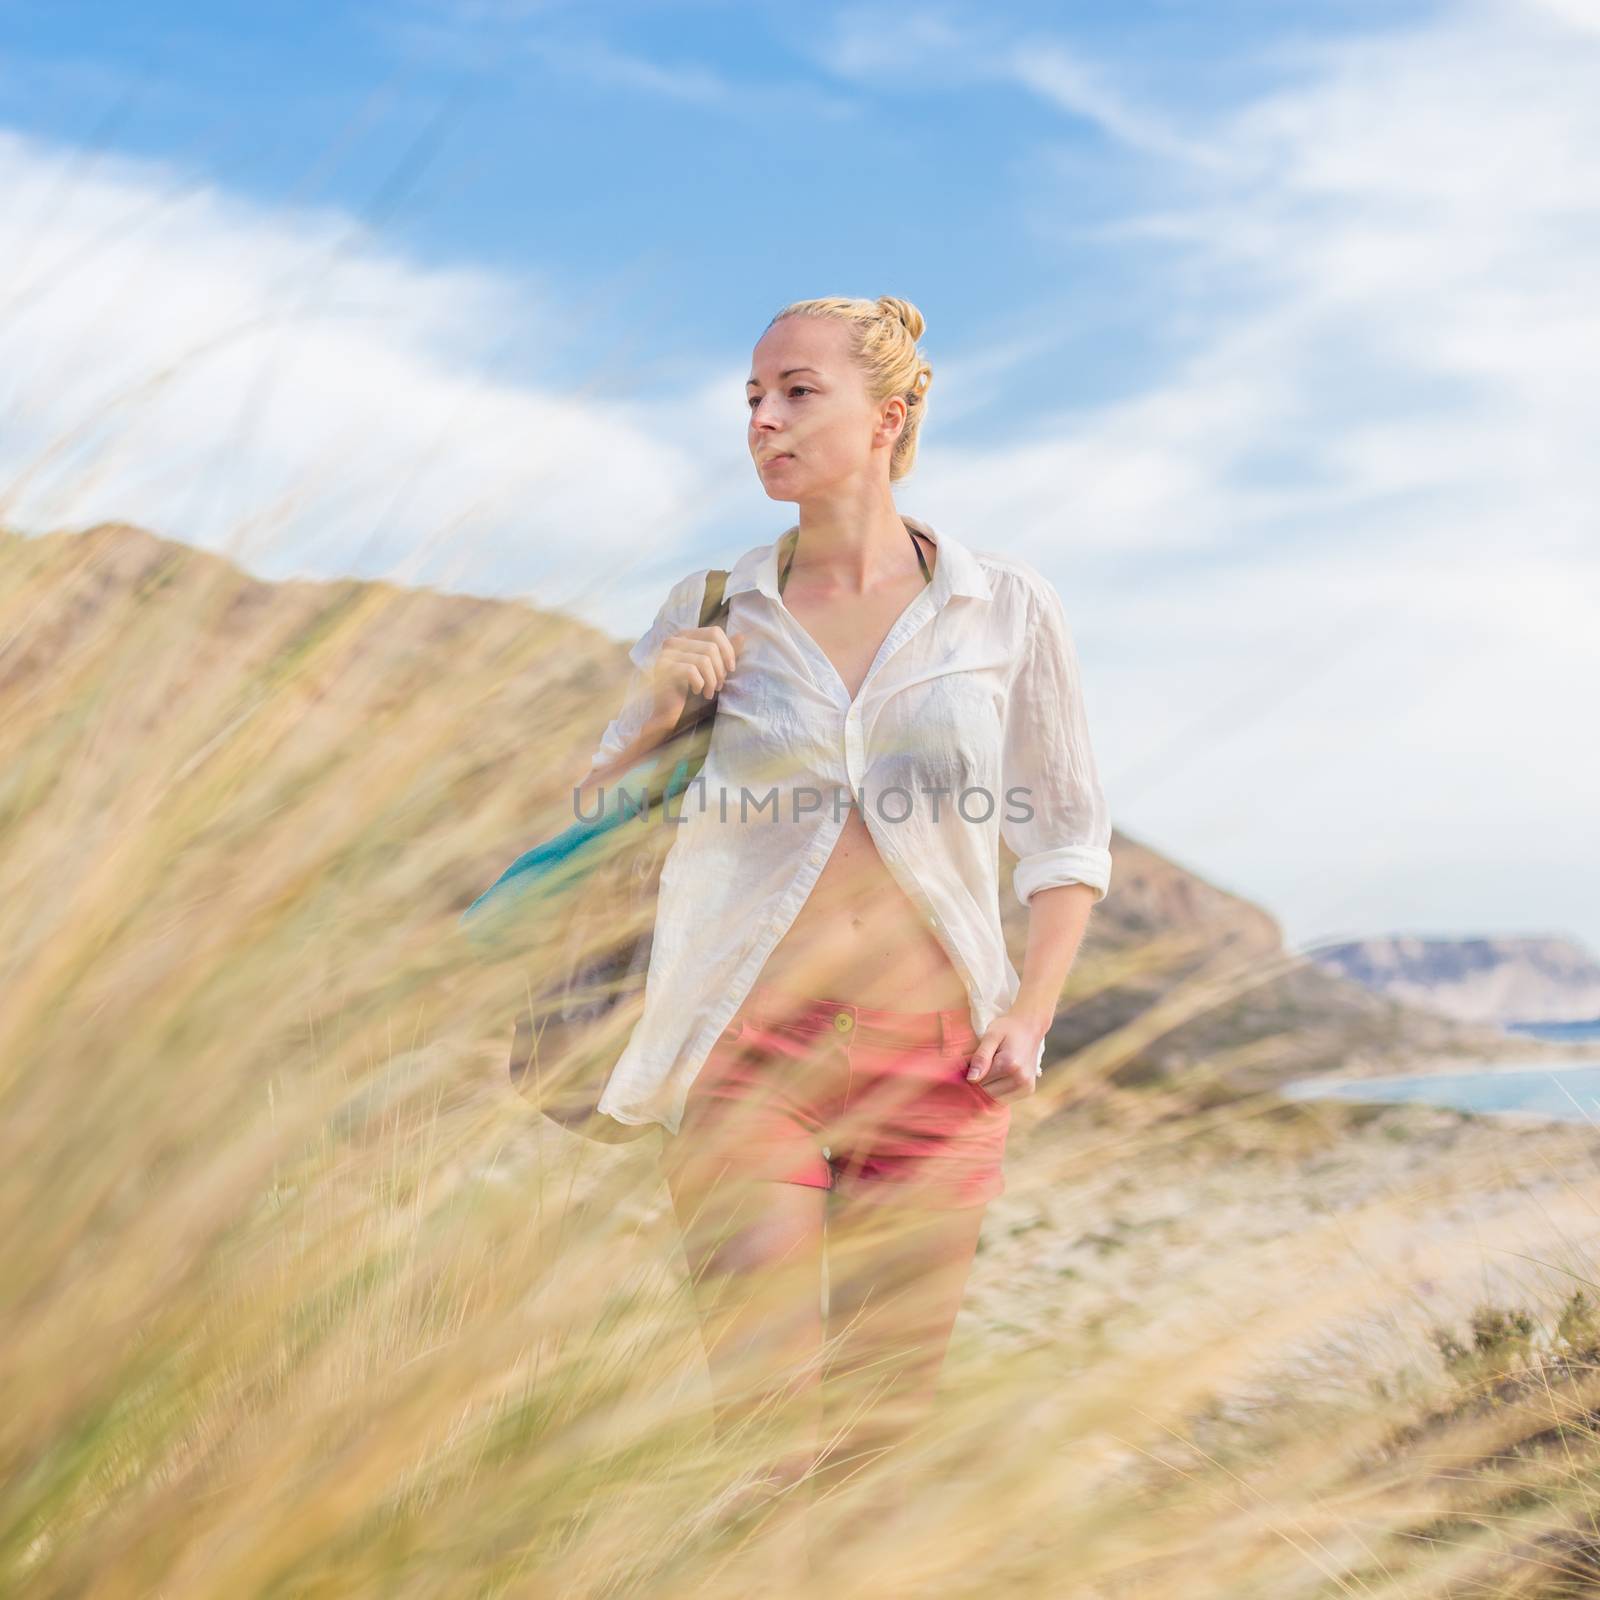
(1510, 1087)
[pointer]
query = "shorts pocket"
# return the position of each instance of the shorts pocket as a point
(986, 1100)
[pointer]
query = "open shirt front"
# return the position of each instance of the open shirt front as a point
(969, 727)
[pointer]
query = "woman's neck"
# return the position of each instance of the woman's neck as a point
(862, 562)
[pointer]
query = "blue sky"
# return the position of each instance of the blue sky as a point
(695, 161)
(1269, 332)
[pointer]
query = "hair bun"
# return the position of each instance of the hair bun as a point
(903, 312)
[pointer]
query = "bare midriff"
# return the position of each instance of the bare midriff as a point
(860, 937)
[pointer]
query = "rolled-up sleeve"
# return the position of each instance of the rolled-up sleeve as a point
(679, 611)
(1056, 821)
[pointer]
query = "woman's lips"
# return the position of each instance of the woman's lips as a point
(774, 460)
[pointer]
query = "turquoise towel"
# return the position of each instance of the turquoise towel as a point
(563, 856)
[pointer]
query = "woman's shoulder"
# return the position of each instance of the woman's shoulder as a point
(686, 594)
(677, 613)
(1014, 580)
(681, 608)
(689, 587)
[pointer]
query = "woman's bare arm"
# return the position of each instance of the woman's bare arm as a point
(1057, 920)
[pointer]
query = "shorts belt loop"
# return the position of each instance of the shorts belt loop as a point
(947, 1029)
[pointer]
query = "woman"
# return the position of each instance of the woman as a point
(833, 1035)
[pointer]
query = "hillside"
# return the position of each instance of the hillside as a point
(190, 623)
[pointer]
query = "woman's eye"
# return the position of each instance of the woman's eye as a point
(799, 388)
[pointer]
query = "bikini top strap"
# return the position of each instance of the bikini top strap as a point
(794, 543)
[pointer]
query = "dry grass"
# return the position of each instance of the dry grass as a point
(300, 1300)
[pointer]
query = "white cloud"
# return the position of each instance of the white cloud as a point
(1414, 322)
(283, 384)
(894, 49)
(1334, 574)
(1080, 87)
(1572, 13)
(506, 40)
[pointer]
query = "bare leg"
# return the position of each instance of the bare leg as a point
(895, 1280)
(754, 1249)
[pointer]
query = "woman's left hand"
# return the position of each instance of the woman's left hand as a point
(1006, 1063)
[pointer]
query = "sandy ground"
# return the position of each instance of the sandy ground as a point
(1382, 1228)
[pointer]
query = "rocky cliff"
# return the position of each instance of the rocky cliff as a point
(1550, 979)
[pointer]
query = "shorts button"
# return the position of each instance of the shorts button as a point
(843, 1021)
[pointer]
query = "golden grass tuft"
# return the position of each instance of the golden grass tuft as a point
(300, 1299)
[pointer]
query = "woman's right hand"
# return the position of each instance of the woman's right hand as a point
(698, 660)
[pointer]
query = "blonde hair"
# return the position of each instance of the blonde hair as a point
(884, 334)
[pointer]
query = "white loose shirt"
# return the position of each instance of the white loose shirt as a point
(973, 694)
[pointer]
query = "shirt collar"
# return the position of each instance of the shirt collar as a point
(955, 572)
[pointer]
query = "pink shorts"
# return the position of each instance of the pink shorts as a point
(841, 1096)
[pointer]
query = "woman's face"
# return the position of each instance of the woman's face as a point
(813, 427)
